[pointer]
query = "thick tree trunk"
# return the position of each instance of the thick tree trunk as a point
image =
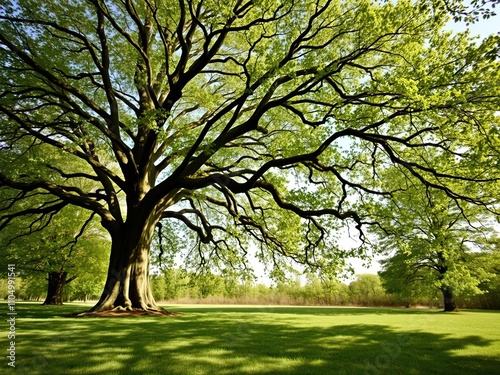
(57, 280)
(127, 285)
(449, 300)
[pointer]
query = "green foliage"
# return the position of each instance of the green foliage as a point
(70, 239)
(490, 296)
(177, 285)
(367, 290)
(433, 242)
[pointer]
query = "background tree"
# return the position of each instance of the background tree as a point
(490, 299)
(49, 247)
(241, 121)
(64, 251)
(407, 290)
(323, 291)
(367, 290)
(433, 243)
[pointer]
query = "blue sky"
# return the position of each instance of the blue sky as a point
(482, 28)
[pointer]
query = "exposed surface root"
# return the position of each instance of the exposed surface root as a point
(122, 312)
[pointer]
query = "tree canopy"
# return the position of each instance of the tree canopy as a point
(432, 243)
(241, 122)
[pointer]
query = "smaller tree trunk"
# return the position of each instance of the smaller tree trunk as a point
(57, 280)
(449, 300)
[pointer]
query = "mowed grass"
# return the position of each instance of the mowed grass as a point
(256, 340)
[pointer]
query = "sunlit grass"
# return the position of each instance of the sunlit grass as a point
(257, 340)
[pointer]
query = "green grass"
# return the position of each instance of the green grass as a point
(256, 340)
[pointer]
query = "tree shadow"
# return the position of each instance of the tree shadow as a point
(240, 341)
(316, 310)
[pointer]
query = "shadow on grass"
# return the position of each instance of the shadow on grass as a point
(316, 310)
(230, 341)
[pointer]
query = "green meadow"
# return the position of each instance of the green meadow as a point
(209, 339)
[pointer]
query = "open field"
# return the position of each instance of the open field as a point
(229, 340)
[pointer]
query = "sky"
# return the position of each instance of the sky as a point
(482, 28)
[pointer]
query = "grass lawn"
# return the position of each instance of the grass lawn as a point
(232, 340)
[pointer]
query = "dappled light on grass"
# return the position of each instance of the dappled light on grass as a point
(260, 340)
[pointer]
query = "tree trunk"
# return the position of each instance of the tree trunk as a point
(127, 285)
(57, 280)
(449, 300)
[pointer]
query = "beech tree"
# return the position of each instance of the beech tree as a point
(243, 123)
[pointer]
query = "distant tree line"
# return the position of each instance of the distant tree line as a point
(366, 290)
(179, 286)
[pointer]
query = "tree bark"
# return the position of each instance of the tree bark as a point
(127, 285)
(449, 300)
(57, 280)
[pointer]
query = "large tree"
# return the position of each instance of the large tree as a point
(241, 121)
